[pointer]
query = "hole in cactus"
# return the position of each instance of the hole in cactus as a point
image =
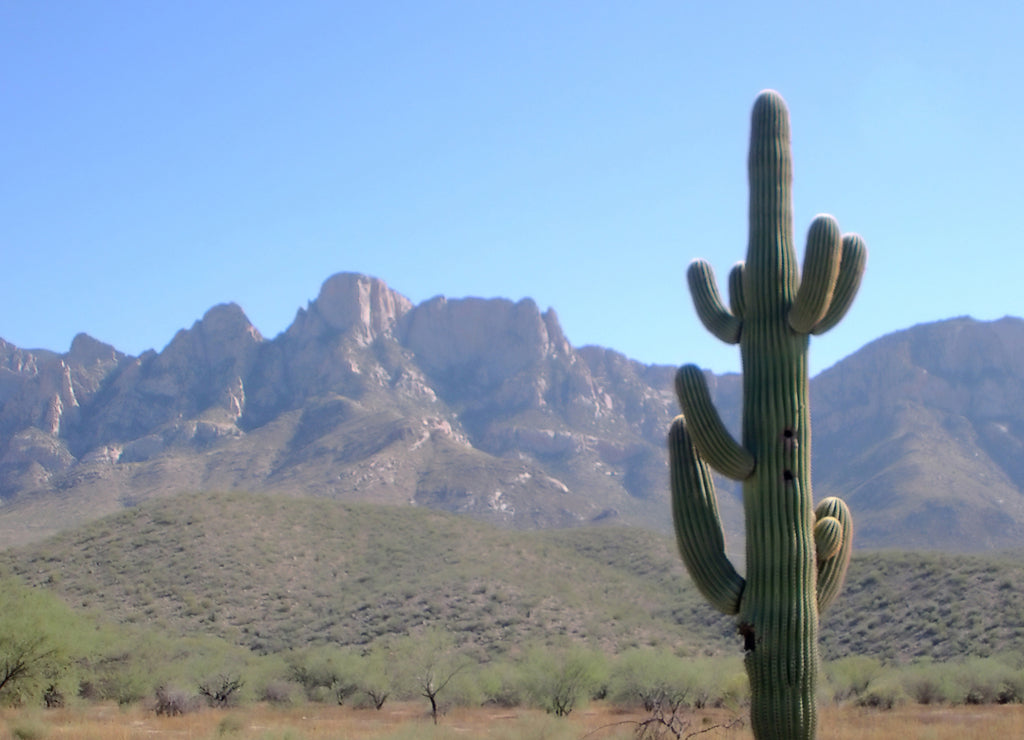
(749, 640)
(787, 475)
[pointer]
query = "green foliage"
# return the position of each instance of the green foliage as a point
(502, 684)
(648, 678)
(327, 673)
(849, 678)
(41, 642)
(428, 664)
(989, 681)
(871, 683)
(897, 607)
(887, 692)
(560, 680)
(651, 679)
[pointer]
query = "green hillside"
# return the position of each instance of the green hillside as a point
(274, 572)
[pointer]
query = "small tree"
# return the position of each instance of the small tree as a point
(559, 680)
(653, 679)
(221, 691)
(40, 645)
(326, 670)
(428, 663)
(377, 678)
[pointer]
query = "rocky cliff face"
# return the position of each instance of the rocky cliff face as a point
(924, 431)
(484, 407)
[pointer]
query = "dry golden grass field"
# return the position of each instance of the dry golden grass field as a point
(410, 722)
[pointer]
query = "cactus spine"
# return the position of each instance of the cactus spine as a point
(796, 556)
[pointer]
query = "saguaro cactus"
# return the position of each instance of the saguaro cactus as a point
(796, 556)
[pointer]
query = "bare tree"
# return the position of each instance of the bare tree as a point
(220, 691)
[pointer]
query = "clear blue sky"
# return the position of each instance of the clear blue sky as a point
(158, 158)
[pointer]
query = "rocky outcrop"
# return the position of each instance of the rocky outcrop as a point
(360, 307)
(480, 344)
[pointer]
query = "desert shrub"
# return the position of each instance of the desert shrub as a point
(222, 690)
(653, 679)
(326, 674)
(502, 684)
(281, 693)
(53, 697)
(988, 681)
(174, 702)
(886, 692)
(649, 678)
(848, 678)
(928, 683)
(561, 679)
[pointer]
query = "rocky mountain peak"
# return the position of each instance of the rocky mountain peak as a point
(361, 306)
(86, 350)
(223, 339)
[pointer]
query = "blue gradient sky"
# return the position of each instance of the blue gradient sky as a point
(157, 158)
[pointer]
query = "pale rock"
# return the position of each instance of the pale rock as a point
(234, 400)
(145, 448)
(364, 308)
(104, 455)
(33, 445)
(486, 341)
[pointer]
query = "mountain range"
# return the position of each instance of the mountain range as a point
(483, 407)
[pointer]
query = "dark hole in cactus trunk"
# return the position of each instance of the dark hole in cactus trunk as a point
(789, 440)
(749, 640)
(787, 475)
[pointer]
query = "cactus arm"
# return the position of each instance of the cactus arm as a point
(697, 524)
(711, 311)
(833, 531)
(736, 294)
(712, 440)
(821, 270)
(851, 270)
(828, 537)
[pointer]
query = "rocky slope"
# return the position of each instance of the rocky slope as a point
(484, 407)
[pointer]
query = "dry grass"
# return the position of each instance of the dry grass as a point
(410, 722)
(917, 722)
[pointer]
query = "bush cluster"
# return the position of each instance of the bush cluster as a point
(870, 683)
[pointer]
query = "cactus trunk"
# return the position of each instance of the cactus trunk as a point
(796, 557)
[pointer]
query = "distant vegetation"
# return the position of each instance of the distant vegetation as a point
(217, 599)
